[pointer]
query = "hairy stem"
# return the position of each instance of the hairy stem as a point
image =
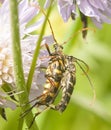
(17, 61)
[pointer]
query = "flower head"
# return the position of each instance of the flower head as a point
(28, 43)
(98, 10)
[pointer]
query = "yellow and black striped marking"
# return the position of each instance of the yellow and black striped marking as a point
(67, 83)
(54, 73)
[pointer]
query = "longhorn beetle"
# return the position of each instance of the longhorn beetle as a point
(60, 75)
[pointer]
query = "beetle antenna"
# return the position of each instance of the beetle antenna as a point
(94, 92)
(37, 6)
(81, 30)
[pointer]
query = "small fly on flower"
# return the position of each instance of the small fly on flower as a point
(60, 75)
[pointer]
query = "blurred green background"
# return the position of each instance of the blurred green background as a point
(95, 50)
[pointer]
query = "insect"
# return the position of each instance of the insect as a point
(60, 75)
(54, 74)
(67, 83)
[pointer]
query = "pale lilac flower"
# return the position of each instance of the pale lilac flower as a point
(28, 44)
(98, 10)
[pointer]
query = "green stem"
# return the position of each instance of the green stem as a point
(17, 59)
(37, 50)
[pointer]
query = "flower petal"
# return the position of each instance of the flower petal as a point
(65, 8)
